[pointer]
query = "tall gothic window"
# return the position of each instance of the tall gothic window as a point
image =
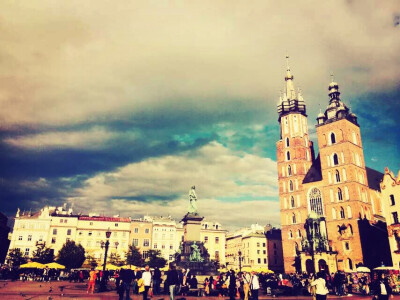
(335, 159)
(288, 155)
(337, 175)
(315, 199)
(291, 186)
(342, 215)
(292, 202)
(333, 138)
(289, 170)
(293, 219)
(339, 194)
(287, 142)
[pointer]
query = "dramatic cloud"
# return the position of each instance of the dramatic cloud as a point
(229, 186)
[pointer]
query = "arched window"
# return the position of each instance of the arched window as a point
(315, 198)
(339, 194)
(288, 155)
(333, 138)
(392, 201)
(335, 159)
(291, 186)
(299, 233)
(337, 175)
(290, 234)
(354, 138)
(333, 213)
(350, 264)
(287, 142)
(349, 215)
(292, 204)
(289, 170)
(350, 229)
(293, 219)
(342, 215)
(346, 193)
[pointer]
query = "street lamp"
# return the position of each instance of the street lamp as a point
(105, 245)
(240, 261)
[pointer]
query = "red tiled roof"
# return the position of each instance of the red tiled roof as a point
(105, 219)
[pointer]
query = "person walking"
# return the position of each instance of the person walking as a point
(382, 289)
(126, 276)
(232, 285)
(320, 286)
(254, 286)
(92, 280)
(156, 281)
(246, 284)
(147, 278)
(173, 282)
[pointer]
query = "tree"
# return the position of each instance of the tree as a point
(91, 261)
(155, 259)
(115, 259)
(71, 255)
(134, 257)
(16, 258)
(43, 254)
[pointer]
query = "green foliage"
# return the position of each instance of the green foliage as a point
(134, 257)
(16, 258)
(43, 254)
(71, 255)
(91, 261)
(155, 259)
(115, 259)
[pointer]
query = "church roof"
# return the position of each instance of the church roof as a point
(314, 173)
(374, 178)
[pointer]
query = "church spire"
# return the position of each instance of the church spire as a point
(290, 91)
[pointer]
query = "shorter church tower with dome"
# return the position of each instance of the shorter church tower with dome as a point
(335, 185)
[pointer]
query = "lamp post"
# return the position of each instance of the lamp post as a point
(105, 245)
(240, 261)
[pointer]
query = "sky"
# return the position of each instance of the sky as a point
(120, 107)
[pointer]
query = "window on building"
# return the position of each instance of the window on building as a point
(171, 247)
(288, 155)
(290, 234)
(335, 159)
(333, 213)
(146, 230)
(289, 170)
(395, 217)
(217, 255)
(163, 246)
(293, 219)
(264, 251)
(259, 260)
(339, 194)
(333, 138)
(27, 252)
(337, 175)
(91, 223)
(291, 186)
(347, 246)
(292, 203)
(258, 252)
(29, 238)
(90, 233)
(135, 242)
(136, 230)
(263, 244)
(349, 214)
(217, 240)
(53, 240)
(68, 231)
(315, 198)
(61, 220)
(342, 215)
(265, 261)
(65, 221)
(258, 244)
(146, 243)
(205, 239)
(287, 142)
(116, 224)
(54, 231)
(155, 245)
(299, 233)
(392, 202)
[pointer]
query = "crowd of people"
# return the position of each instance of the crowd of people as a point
(243, 285)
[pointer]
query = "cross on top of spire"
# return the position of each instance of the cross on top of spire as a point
(332, 77)
(287, 62)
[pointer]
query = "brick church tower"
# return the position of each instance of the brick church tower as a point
(335, 187)
(295, 156)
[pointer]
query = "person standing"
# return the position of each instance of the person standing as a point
(156, 281)
(126, 276)
(136, 276)
(146, 276)
(254, 286)
(232, 285)
(92, 280)
(246, 285)
(382, 289)
(172, 281)
(320, 286)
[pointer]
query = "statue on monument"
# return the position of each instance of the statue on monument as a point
(195, 256)
(192, 201)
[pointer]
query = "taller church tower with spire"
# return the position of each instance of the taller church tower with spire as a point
(336, 186)
(295, 156)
